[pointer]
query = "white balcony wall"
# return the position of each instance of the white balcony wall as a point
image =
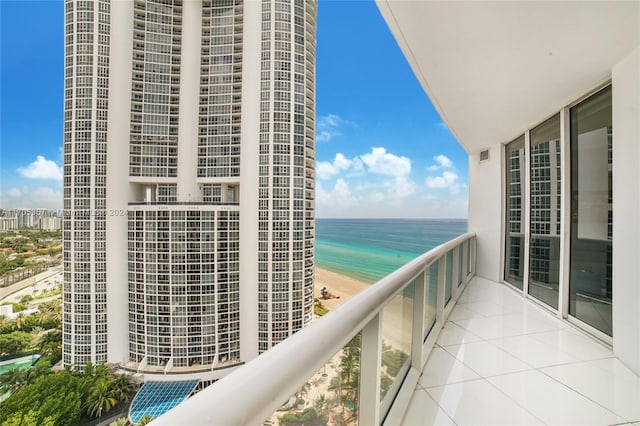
(626, 210)
(486, 192)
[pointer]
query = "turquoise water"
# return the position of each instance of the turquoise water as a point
(369, 249)
(20, 365)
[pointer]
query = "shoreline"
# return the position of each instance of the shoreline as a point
(341, 287)
(396, 324)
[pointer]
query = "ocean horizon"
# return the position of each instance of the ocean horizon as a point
(370, 249)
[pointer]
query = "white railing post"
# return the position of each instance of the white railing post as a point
(417, 331)
(465, 261)
(455, 273)
(442, 272)
(474, 255)
(370, 363)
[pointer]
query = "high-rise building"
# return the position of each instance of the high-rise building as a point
(189, 151)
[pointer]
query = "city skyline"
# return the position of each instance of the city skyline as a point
(380, 142)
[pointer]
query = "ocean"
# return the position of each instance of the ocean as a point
(370, 249)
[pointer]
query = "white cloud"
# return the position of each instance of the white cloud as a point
(448, 179)
(14, 192)
(385, 163)
(29, 197)
(400, 187)
(42, 169)
(379, 183)
(327, 170)
(328, 127)
(443, 162)
(341, 162)
(337, 201)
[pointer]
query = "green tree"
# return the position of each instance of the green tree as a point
(320, 406)
(122, 387)
(49, 345)
(122, 421)
(12, 380)
(14, 343)
(100, 399)
(146, 419)
(52, 399)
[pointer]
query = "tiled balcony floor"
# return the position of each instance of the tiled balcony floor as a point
(501, 359)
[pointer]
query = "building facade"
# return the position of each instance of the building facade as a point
(189, 151)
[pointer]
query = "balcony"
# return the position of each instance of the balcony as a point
(393, 324)
(440, 345)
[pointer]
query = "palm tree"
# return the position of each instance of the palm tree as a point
(100, 399)
(146, 419)
(122, 387)
(320, 406)
(122, 421)
(350, 374)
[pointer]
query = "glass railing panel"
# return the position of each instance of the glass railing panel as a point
(330, 397)
(397, 319)
(430, 298)
(448, 276)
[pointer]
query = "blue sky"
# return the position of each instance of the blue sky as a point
(382, 150)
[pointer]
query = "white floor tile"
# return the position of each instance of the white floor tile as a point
(486, 359)
(488, 309)
(498, 335)
(477, 402)
(533, 352)
(461, 311)
(453, 334)
(606, 381)
(574, 344)
(551, 401)
(533, 321)
(443, 368)
(423, 410)
(488, 328)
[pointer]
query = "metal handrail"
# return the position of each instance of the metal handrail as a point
(255, 391)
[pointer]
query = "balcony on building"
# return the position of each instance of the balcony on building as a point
(533, 316)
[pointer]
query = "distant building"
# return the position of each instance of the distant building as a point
(51, 223)
(8, 223)
(189, 155)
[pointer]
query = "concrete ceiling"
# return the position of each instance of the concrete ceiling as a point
(494, 69)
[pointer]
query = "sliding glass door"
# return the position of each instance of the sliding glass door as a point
(534, 210)
(590, 285)
(514, 247)
(544, 244)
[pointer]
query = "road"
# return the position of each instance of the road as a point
(32, 281)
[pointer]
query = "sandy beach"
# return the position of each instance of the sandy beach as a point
(396, 323)
(340, 287)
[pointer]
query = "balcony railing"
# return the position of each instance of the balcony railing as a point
(391, 327)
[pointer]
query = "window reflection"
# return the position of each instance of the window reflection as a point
(544, 252)
(591, 211)
(514, 250)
